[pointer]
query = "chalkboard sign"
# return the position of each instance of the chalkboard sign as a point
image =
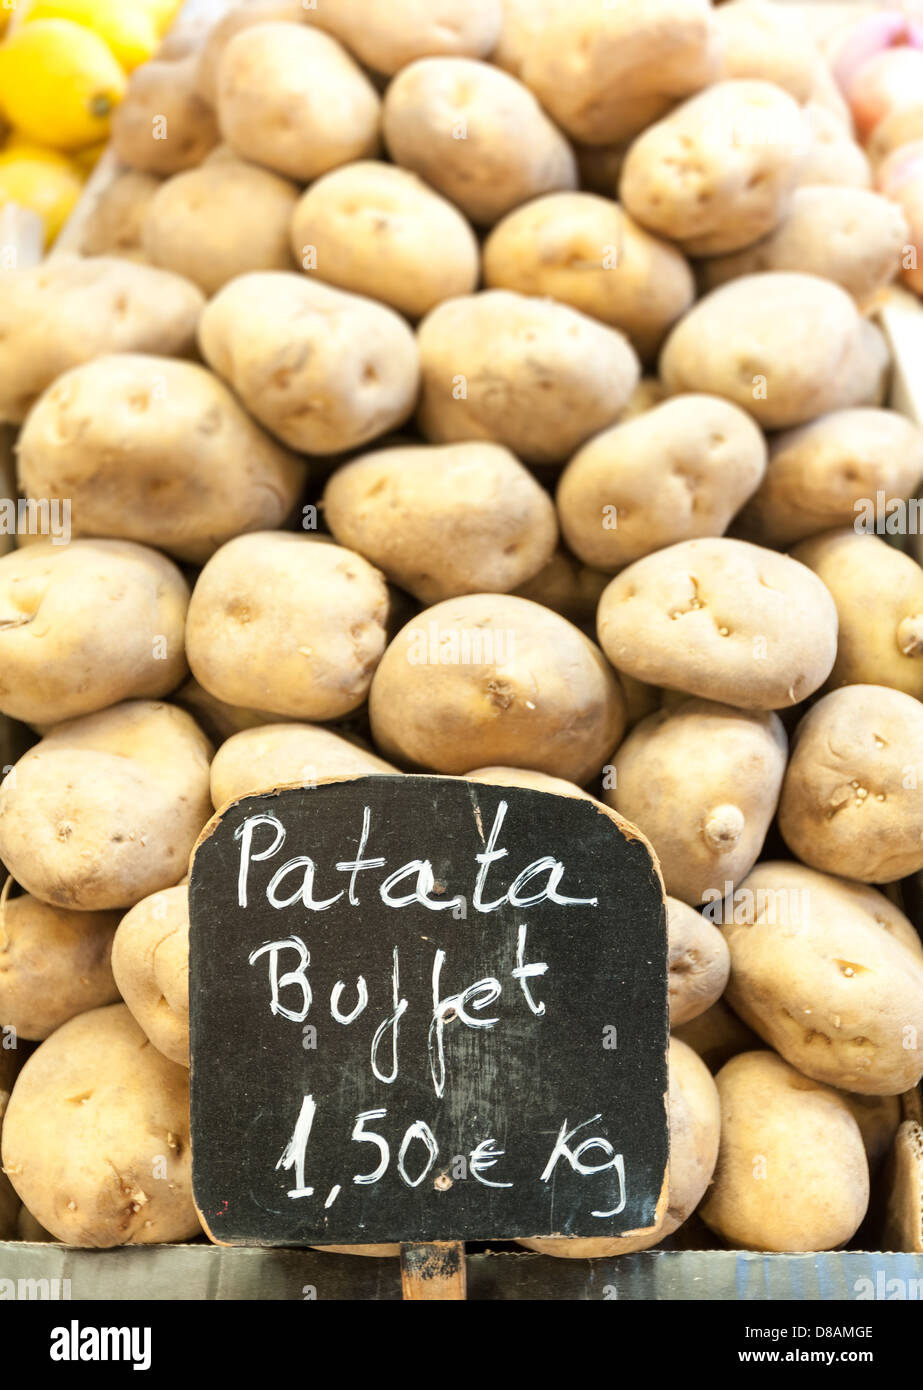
(425, 1009)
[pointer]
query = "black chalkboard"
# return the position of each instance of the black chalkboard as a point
(507, 1075)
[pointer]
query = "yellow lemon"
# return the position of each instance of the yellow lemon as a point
(86, 160)
(41, 180)
(162, 12)
(59, 83)
(127, 27)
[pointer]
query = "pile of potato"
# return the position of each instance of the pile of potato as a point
(549, 322)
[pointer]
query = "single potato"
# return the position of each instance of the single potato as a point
(495, 680)
(122, 437)
(717, 1035)
(274, 755)
(699, 962)
(150, 963)
(389, 38)
(723, 620)
(106, 809)
(530, 374)
(96, 1137)
(66, 311)
(792, 1172)
(324, 370)
(678, 471)
(54, 964)
(442, 521)
(567, 587)
(377, 230)
(240, 17)
(86, 625)
(164, 125)
(115, 220)
(289, 624)
(852, 801)
(587, 252)
(762, 42)
(878, 592)
(477, 135)
(724, 767)
(291, 98)
(523, 777)
(833, 156)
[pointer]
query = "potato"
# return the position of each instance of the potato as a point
(567, 587)
(903, 1228)
(476, 134)
(218, 720)
(786, 347)
(717, 1035)
(698, 960)
(792, 1173)
(901, 127)
(530, 374)
(11, 1060)
(718, 172)
(443, 521)
(878, 592)
(219, 221)
(163, 125)
(759, 41)
(680, 470)
(258, 760)
(522, 777)
(114, 223)
(64, 312)
(379, 231)
(723, 620)
(86, 625)
(291, 97)
(290, 624)
(695, 1124)
(389, 38)
(849, 235)
(851, 803)
(96, 1138)
(878, 1118)
(847, 468)
(237, 18)
(324, 370)
(604, 72)
(586, 252)
(494, 680)
(106, 809)
(123, 436)
(520, 27)
(54, 964)
(724, 767)
(830, 974)
(832, 156)
(150, 962)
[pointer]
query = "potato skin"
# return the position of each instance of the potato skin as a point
(106, 809)
(86, 625)
(828, 473)
(68, 310)
(716, 174)
(54, 965)
(163, 125)
(606, 72)
(324, 370)
(784, 346)
(239, 17)
(477, 134)
(220, 221)
(114, 223)
(458, 686)
(567, 587)
(377, 230)
(815, 1180)
(530, 374)
(257, 760)
(717, 1035)
(725, 767)
(851, 803)
(123, 435)
(86, 1170)
(760, 42)
(150, 962)
(698, 962)
(443, 521)
(695, 1124)
(724, 620)
(390, 39)
(832, 157)
(680, 470)
(291, 98)
(880, 643)
(289, 624)
(587, 252)
(523, 777)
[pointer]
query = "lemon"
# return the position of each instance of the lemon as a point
(41, 180)
(87, 159)
(58, 83)
(128, 28)
(162, 12)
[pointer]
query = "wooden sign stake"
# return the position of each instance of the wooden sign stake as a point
(434, 1271)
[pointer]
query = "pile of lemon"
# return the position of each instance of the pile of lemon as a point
(63, 66)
